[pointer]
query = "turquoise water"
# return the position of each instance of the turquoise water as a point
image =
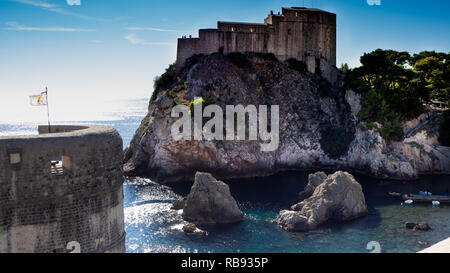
(152, 227)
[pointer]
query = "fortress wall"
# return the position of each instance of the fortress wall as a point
(311, 33)
(320, 28)
(298, 33)
(209, 41)
(187, 47)
(243, 42)
(241, 27)
(43, 208)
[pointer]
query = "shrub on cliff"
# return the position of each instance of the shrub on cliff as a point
(376, 109)
(444, 130)
(165, 81)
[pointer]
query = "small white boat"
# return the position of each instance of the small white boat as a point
(436, 204)
(408, 203)
(425, 193)
(395, 194)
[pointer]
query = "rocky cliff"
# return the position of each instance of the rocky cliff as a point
(318, 127)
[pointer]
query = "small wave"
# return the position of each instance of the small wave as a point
(177, 227)
(168, 249)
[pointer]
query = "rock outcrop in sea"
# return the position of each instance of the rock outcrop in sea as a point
(418, 226)
(210, 203)
(335, 197)
(318, 127)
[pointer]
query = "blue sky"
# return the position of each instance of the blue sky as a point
(107, 49)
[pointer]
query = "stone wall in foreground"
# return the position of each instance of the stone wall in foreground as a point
(60, 188)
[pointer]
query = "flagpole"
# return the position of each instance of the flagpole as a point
(48, 112)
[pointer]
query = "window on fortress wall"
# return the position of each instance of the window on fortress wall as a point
(15, 158)
(59, 165)
(317, 70)
(289, 31)
(233, 29)
(252, 29)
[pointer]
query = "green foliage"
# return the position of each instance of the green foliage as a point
(165, 81)
(204, 101)
(444, 130)
(395, 85)
(178, 93)
(376, 109)
(425, 54)
(344, 68)
(297, 65)
(434, 73)
(392, 128)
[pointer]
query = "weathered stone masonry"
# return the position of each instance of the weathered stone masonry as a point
(308, 35)
(44, 206)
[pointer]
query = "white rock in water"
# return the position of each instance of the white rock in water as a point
(338, 197)
(210, 203)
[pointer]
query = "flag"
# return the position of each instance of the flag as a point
(39, 100)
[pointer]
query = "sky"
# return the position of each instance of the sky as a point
(94, 53)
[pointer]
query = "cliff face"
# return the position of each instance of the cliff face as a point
(317, 127)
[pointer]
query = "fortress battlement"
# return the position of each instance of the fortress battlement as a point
(305, 34)
(61, 187)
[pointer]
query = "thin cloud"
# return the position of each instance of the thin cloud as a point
(149, 29)
(96, 41)
(35, 3)
(133, 39)
(55, 8)
(15, 26)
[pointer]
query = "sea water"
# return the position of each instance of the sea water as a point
(153, 227)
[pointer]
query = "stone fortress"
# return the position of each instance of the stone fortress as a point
(305, 34)
(62, 192)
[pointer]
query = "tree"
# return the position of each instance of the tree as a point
(345, 67)
(392, 90)
(433, 72)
